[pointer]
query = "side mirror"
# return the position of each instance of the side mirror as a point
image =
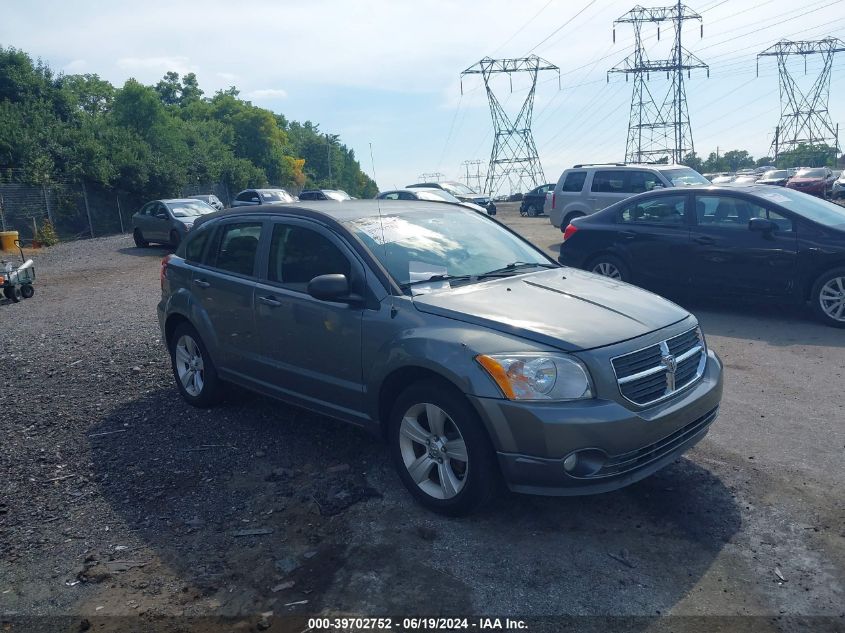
(761, 224)
(331, 288)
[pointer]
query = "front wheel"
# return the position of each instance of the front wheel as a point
(828, 297)
(609, 266)
(13, 293)
(27, 290)
(194, 372)
(441, 449)
(532, 210)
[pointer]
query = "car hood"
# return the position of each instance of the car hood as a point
(565, 308)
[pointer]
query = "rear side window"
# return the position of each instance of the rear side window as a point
(662, 210)
(609, 182)
(574, 181)
(297, 255)
(734, 213)
(196, 244)
(237, 246)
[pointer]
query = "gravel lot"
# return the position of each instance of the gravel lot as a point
(117, 499)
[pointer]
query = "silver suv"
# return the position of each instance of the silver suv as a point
(588, 188)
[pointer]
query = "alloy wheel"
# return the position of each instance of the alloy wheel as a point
(832, 298)
(433, 450)
(189, 365)
(608, 270)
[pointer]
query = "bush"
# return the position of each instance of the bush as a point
(47, 234)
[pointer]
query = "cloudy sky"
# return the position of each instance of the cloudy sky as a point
(386, 72)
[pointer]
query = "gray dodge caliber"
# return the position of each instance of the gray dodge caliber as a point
(476, 357)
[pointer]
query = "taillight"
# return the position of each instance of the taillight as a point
(162, 275)
(569, 232)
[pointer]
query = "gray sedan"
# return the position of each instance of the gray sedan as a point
(167, 221)
(464, 347)
(430, 195)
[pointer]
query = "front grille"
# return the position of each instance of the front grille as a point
(655, 373)
(626, 462)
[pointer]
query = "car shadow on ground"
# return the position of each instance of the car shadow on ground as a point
(255, 505)
(151, 251)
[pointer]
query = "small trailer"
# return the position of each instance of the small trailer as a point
(17, 280)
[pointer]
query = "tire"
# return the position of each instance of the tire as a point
(569, 218)
(175, 239)
(197, 381)
(13, 293)
(609, 266)
(828, 297)
(523, 212)
(140, 242)
(452, 486)
(531, 210)
(27, 290)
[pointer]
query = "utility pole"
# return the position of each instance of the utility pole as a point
(514, 158)
(804, 116)
(329, 157)
(658, 128)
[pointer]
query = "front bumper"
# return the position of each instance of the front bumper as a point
(534, 439)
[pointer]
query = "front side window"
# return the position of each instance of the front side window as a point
(297, 255)
(196, 244)
(609, 182)
(727, 212)
(662, 210)
(237, 246)
(642, 181)
(245, 196)
(684, 176)
(393, 195)
(574, 181)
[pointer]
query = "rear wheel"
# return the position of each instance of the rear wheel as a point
(27, 290)
(441, 449)
(569, 218)
(609, 266)
(532, 210)
(140, 242)
(13, 293)
(828, 297)
(194, 372)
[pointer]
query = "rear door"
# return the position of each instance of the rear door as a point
(606, 187)
(224, 286)
(310, 349)
(728, 256)
(653, 236)
(160, 223)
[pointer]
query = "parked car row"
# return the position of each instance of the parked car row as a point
(817, 181)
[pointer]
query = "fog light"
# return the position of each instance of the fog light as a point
(570, 463)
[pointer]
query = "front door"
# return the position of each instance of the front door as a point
(729, 257)
(224, 285)
(310, 349)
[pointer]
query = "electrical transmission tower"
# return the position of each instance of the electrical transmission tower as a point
(430, 177)
(473, 174)
(514, 158)
(658, 128)
(804, 117)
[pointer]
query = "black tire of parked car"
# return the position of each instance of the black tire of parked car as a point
(612, 260)
(13, 293)
(483, 476)
(815, 297)
(212, 390)
(140, 242)
(27, 290)
(175, 238)
(532, 210)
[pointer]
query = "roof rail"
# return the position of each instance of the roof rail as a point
(579, 165)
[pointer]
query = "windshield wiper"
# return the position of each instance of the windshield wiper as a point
(513, 267)
(435, 278)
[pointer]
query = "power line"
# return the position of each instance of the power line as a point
(562, 26)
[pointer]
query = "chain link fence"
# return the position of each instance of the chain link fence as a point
(77, 210)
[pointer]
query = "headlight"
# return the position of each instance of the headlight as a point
(538, 376)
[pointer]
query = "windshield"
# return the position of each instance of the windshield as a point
(436, 195)
(190, 209)
(776, 173)
(811, 173)
(416, 245)
(275, 195)
(808, 206)
(684, 177)
(457, 189)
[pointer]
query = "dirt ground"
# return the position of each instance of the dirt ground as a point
(122, 508)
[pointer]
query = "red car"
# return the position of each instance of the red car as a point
(817, 181)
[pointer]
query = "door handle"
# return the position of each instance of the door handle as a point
(704, 239)
(270, 301)
(202, 283)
